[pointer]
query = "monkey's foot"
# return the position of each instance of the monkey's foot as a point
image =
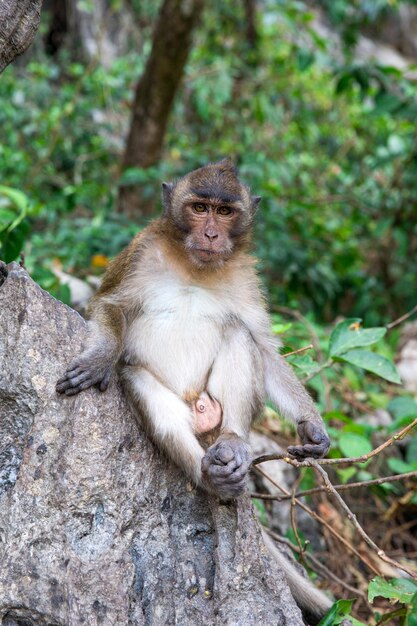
(225, 467)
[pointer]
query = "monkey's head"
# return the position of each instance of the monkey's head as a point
(211, 211)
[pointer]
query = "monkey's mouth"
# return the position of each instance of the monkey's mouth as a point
(206, 254)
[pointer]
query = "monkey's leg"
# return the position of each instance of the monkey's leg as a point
(236, 381)
(167, 419)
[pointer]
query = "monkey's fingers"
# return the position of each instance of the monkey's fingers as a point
(89, 382)
(313, 433)
(71, 373)
(72, 381)
(106, 380)
(308, 450)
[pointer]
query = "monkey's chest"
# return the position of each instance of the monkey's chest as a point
(178, 336)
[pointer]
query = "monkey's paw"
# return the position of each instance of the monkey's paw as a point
(84, 374)
(315, 441)
(225, 467)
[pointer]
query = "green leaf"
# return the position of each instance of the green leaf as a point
(337, 613)
(279, 328)
(303, 362)
(403, 407)
(352, 444)
(7, 215)
(400, 589)
(400, 467)
(12, 243)
(348, 335)
(412, 616)
(18, 198)
(372, 362)
(346, 473)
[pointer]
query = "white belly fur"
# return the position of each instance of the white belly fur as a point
(178, 334)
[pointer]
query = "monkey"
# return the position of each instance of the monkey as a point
(181, 315)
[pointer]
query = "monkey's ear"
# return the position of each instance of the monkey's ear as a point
(167, 189)
(255, 202)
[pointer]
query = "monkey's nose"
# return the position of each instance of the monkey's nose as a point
(211, 236)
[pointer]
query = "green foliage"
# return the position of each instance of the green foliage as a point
(349, 335)
(337, 369)
(15, 209)
(397, 590)
(330, 147)
(338, 612)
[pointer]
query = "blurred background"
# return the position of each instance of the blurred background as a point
(316, 102)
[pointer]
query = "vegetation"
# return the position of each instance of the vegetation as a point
(329, 142)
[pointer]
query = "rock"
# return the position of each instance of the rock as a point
(96, 526)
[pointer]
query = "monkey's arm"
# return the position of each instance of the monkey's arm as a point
(282, 386)
(106, 329)
(96, 364)
(284, 389)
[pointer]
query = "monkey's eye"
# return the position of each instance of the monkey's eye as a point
(224, 210)
(199, 208)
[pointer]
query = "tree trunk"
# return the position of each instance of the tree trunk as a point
(155, 95)
(19, 21)
(96, 527)
(97, 32)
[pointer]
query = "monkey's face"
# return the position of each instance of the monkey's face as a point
(212, 210)
(211, 229)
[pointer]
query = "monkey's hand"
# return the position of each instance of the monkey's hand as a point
(3, 272)
(88, 370)
(314, 438)
(225, 466)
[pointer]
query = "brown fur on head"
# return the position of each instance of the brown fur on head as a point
(212, 212)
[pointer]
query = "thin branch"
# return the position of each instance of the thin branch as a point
(402, 318)
(352, 517)
(322, 521)
(344, 487)
(359, 459)
(309, 347)
(293, 517)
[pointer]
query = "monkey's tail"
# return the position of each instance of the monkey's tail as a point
(313, 603)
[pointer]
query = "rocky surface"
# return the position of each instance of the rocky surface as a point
(96, 527)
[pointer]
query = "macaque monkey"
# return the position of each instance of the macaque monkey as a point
(181, 314)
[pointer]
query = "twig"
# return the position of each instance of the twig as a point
(317, 565)
(293, 517)
(402, 318)
(322, 521)
(344, 487)
(309, 347)
(359, 459)
(352, 517)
